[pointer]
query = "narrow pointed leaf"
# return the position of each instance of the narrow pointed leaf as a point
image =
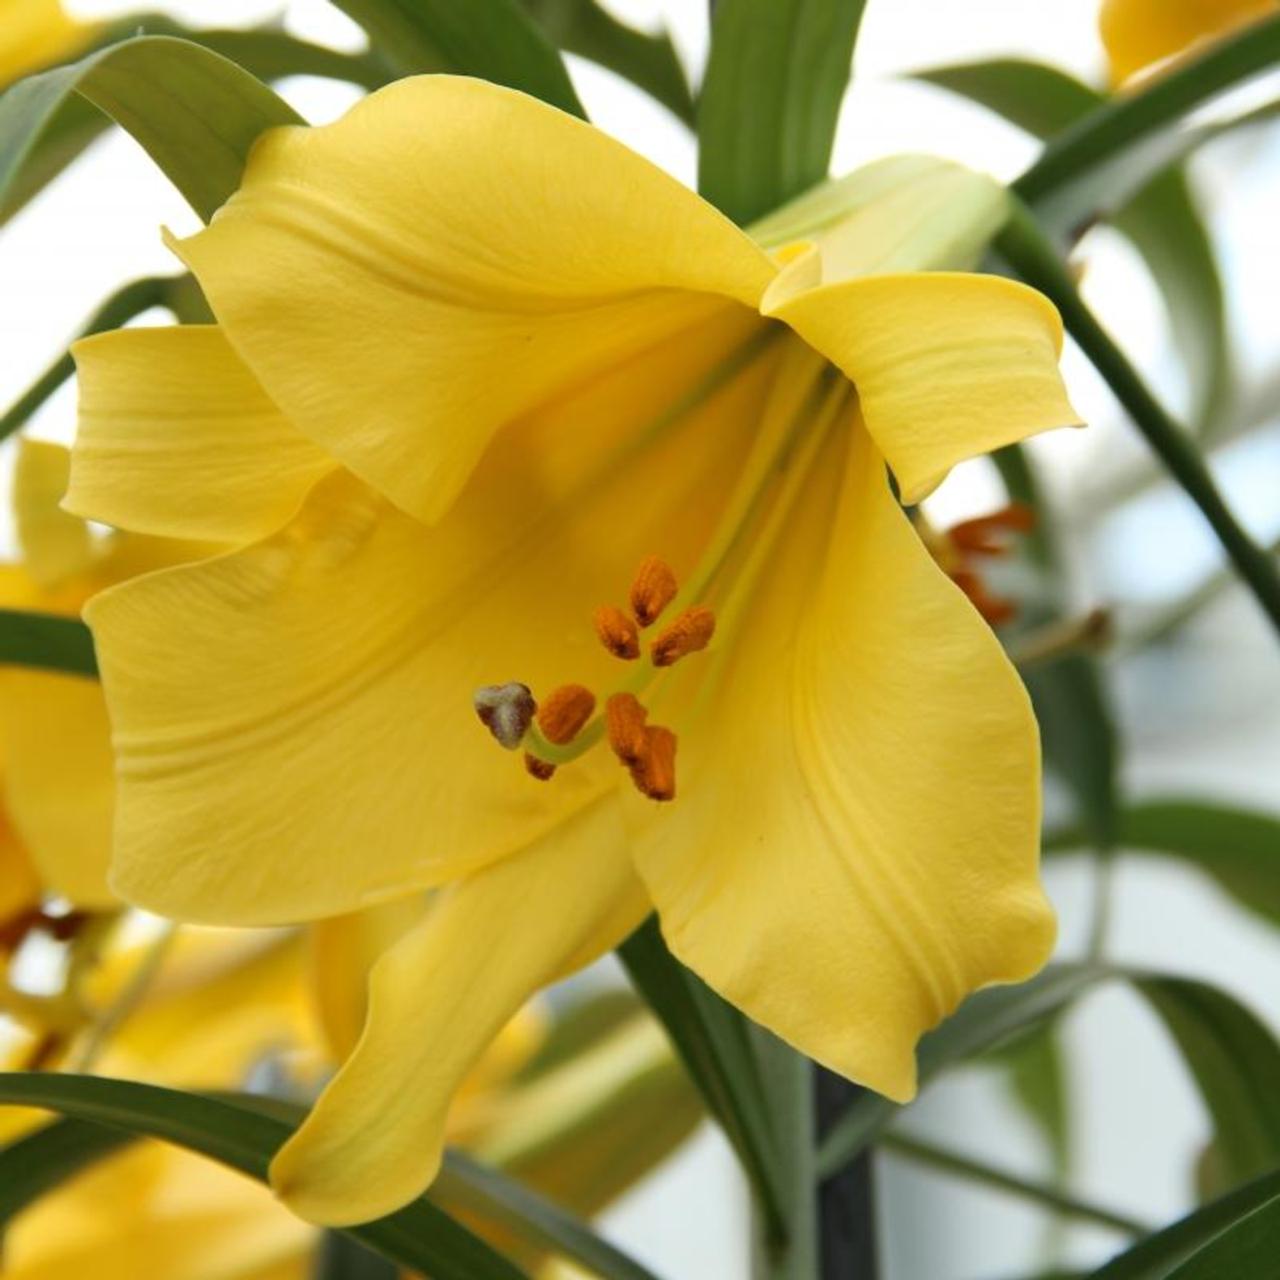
(767, 114)
(1239, 848)
(420, 1236)
(1160, 1256)
(194, 112)
(491, 39)
(712, 1040)
(339, 1257)
(649, 61)
(48, 641)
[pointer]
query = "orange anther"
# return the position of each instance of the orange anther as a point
(691, 631)
(982, 535)
(653, 589)
(617, 632)
(540, 769)
(564, 711)
(655, 773)
(624, 719)
(995, 610)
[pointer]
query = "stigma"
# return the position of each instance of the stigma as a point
(564, 725)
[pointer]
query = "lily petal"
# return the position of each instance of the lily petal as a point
(55, 546)
(56, 744)
(281, 708)
(438, 998)
(889, 817)
(19, 884)
(1140, 33)
(177, 439)
(400, 301)
(947, 365)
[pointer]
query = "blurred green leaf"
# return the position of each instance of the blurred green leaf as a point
(1153, 208)
(339, 1257)
(420, 1236)
(775, 79)
(712, 1040)
(648, 60)
(179, 294)
(266, 53)
(193, 111)
(46, 641)
(42, 1160)
(1037, 1074)
(1239, 848)
(1234, 1058)
(1160, 1256)
(492, 39)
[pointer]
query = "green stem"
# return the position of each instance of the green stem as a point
(1036, 1192)
(1115, 126)
(1029, 253)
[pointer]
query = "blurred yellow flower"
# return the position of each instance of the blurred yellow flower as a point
(465, 379)
(1139, 34)
(35, 34)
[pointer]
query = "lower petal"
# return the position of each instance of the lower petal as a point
(855, 848)
(437, 1000)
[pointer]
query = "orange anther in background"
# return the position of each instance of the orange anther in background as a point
(983, 534)
(691, 631)
(617, 632)
(564, 711)
(624, 719)
(540, 769)
(653, 589)
(655, 773)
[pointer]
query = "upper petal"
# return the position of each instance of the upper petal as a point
(1139, 33)
(855, 844)
(293, 725)
(438, 998)
(445, 258)
(946, 365)
(176, 438)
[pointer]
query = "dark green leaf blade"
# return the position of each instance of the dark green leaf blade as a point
(712, 1040)
(1159, 1256)
(419, 1236)
(1239, 848)
(48, 641)
(649, 61)
(194, 112)
(492, 39)
(339, 1257)
(40, 1161)
(770, 100)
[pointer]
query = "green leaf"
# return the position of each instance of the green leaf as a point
(649, 61)
(339, 1257)
(42, 1160)
(1037, 1074)
(1160, 218)
(770, 100)
(420, 1236)
(48, 641)
(1239, 848)
(1135, 121)
(471, 1189)
(194, 112)
(492, 39)
(180, 294)
(1234, 1058)
(712, 1040)
(1160, 1256)
(265, 53)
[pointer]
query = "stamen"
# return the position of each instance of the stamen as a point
(624, 723)
(655, 773)
(995, 610)
(981, 535)
(543, 770)
(617, 632)
(564, 711)
(506, 710)
(691, 631)
(653, 589)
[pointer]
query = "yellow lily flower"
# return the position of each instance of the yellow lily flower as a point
(35, 34)
(1138, 34)
(474, 363)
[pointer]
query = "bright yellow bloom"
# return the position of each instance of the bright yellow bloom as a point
(1138, 34)
(35, 34)
(475, 362)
